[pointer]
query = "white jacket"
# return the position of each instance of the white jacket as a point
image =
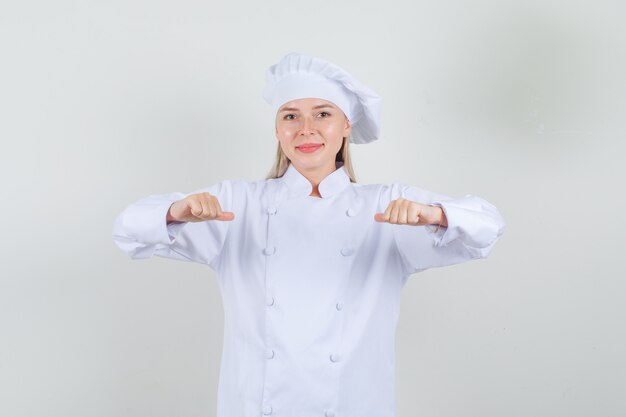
(310, 286)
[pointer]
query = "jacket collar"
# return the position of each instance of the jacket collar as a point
(331, 185)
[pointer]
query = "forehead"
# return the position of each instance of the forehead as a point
(306, 103)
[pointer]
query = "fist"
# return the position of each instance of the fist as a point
(198, 208)
(403, 211)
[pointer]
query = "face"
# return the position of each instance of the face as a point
(310, 132)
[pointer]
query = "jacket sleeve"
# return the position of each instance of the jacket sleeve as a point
(141, 229)
(474, 226)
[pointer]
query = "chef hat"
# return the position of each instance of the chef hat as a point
(299, 75)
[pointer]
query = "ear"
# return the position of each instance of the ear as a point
(348, 128)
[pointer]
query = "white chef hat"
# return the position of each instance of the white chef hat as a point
(299, 75)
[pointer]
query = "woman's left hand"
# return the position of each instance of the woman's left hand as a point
(403, 211)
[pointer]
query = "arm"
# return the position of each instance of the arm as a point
(146, 228)
(469, 228)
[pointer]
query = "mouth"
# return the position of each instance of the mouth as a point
(309, 147)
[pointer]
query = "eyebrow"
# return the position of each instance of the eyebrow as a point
(315, 107)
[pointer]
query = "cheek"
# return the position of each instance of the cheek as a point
(285, 132)
(286, 148)
(335, 135)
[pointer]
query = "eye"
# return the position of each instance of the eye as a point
(287, 116)
(325, 112)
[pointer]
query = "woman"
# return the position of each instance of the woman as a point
(310, 263)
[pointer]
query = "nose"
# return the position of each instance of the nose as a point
(307, 126)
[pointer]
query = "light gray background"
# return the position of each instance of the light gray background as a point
(519, 102)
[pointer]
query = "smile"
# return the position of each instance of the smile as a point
(309, 148)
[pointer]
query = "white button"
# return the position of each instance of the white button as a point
(339, 306)
(351, 212)
(347, 251)
(270, 301)
(269, 250)
(270, 354)
(334, 357)
(267, 410)
(329, 413)
(271, 210)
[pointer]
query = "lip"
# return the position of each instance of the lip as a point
(309, 147)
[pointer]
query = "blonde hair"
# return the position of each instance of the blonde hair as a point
(342, 158)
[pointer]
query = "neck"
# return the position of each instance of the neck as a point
(316, 175)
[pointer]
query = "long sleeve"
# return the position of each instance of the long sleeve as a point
(474, 226)
(141, 229)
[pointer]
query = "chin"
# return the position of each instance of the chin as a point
(312, 165)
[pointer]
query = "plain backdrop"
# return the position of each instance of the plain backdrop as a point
(522, 103)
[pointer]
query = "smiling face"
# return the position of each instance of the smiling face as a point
(310, 132)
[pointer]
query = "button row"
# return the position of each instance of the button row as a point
(270, 353)
(270, 250)
(270, 302)
(335, 357)
(271, 210)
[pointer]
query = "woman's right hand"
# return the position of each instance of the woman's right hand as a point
(198, 208)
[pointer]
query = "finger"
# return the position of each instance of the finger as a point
(379, 217)
(387, 212)
(413, 214)
(207, 210)
(222, 215)
(393, 215)
(215, 205)
(403, 210)
(226, 216)
(195, 207)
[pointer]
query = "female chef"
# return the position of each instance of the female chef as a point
(310, 264)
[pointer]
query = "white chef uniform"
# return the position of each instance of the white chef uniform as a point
(310, 286)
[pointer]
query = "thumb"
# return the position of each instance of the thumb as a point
(226, 215)
(380, 217)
